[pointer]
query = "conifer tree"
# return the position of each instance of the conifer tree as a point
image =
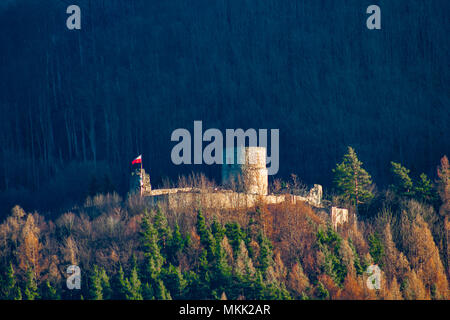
(174, 281)
(206, 237)
(176, 245)
(31, 289)
(424, 190)
(265, 258)
(162, 227)
(352, 182)
(235, 235)
(403, 184)
(161, 292)
(105, 284)
(152, 254)
(9, 288)
(95, 285)
(121, 286)
(48, 292)
(134, 286)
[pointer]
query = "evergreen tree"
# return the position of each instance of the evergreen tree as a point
(134, 286)
(321, 292)
(105, 284)
(95, 285)
(221, 270)
(235, 235)
(424, 190)
(9, 288)
(174, 281)
(48, 292)
(162, 227)
(265, 258)
(352, 182)
(176, 245)
(206, 237)
(31, 290)
(121, 286)
(403, 184)
(152, 254)
(376, 248)
(161, 292)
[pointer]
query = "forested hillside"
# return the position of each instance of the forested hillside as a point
(127, 249)
(77, 106)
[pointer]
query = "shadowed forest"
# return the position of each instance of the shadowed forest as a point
(78, 106)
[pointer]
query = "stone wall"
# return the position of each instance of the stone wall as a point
(176, 199)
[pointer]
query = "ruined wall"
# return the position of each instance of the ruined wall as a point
(137, 182)
(225, 200)
(248, 169)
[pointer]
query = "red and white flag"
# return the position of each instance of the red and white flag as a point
(137, 160)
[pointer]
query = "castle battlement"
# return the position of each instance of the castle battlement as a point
(244, 168)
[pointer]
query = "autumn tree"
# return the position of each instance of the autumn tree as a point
(443, 184)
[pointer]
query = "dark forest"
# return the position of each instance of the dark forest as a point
(78, 106)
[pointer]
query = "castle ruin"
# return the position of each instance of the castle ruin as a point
(244, 185)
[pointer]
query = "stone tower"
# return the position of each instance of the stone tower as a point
(248, 169)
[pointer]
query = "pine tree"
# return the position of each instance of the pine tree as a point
(9, 288)
(206, 237)
(95, 285)
(352, 182)
(106, 287)
(265, 258)
(376, 248)
(176, 245)
(48, 292)
(174, 281)
(162, 227)
(424, 190)
(121, 286)
(161, 292)
(31, 289)
(235, 235)
(403, 184)
(134, 287)
(152, 254)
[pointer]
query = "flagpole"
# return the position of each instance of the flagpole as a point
(142, 178)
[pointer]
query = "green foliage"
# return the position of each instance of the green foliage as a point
(321, 292)
(403, 185)
(265, 258)
(9, 289)
(154, 260)
(353, 183)
(30, 291)
(356, 260)
(329, 243)
(120, 286)
(424, 190)
(235, 234)
(376, 248)
(48, 292)
(175, 245)
(95, 285)
(134, 286)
